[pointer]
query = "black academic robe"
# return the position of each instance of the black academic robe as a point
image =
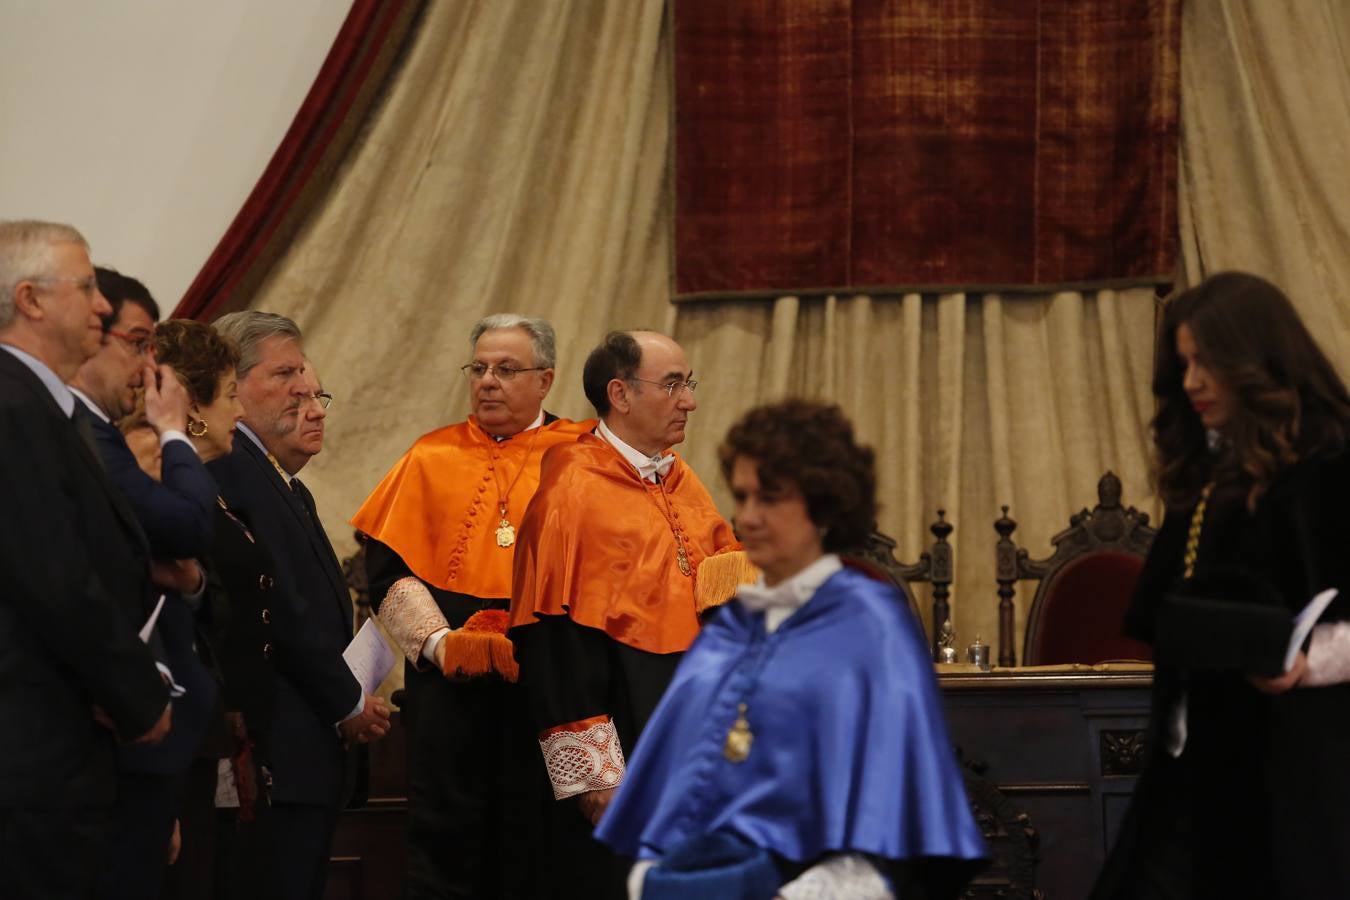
(1256, 805)
(477, 793)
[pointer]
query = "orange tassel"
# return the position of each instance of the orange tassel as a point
(481, 647)
(719, 576)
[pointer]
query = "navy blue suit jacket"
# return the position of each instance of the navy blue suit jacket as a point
(74, 580)
(177, 512)
(177, 517)
(311, 624)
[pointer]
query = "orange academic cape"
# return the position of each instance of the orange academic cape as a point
(597, 545)
(438, 506)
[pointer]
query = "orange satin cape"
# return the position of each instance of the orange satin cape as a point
(596, 545)
(438, 506)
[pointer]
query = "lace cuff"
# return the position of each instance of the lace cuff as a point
(1328, 655)
(846, 875)
(582, 756)
(410, 615)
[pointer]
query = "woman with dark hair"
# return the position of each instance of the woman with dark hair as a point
(1246, 792)
(800, 750)
(236, 618)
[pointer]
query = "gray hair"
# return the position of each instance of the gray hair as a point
(540, 332)
(249, 329)
(26, 255)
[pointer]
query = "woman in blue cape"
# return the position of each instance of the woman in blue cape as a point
(800, 750)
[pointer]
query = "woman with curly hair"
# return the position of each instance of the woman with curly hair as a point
(801, 746)
(1247, 789)
(236, 618)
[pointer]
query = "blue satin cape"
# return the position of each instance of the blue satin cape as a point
(850, 748)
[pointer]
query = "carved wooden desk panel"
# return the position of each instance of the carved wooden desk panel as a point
(1064, 747)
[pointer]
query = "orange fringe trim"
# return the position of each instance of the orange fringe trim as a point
(719, 576)
(481, 647)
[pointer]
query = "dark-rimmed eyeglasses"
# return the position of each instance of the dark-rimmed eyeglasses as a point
(670, 387)
(477, 370)
(137, 343)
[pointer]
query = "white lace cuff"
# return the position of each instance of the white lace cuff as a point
(582, 756)
(846, 876)
(1328, 655)
(410, 615)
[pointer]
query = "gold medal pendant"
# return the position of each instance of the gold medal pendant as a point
(739, 738)
(683, 559)
(506, 533)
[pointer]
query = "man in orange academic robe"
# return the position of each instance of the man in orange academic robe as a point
(603, 595)
(442, 528)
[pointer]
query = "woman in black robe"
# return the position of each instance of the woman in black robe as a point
(1247, 788)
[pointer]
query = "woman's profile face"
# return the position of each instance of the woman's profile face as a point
(773, 523)
(1211, 398)
(220, 416)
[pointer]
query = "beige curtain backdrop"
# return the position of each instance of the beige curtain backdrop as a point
(1265, 177)
(519, 164)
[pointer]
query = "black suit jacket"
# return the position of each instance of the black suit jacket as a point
(312, 625)
(74, 589)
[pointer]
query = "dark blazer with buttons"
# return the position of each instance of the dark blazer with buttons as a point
(74, 588)
(241, 586)
(311, 626)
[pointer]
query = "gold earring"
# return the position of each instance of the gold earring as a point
(193, 432)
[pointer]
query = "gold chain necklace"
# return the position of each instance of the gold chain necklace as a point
(506, 532)
(681, 556)
(1193, 536)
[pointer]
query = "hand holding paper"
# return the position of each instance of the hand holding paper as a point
(369, 657)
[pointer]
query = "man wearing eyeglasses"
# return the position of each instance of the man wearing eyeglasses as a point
(74, 581)
(602, 601)
(442, 528)
(305, 441)
(176, 514)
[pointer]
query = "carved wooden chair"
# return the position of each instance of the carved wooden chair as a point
(720, 575)
(1078, 612)
(934, 567)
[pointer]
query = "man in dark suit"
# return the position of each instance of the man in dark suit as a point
(73, 580)
(176, 513)
(319, 709)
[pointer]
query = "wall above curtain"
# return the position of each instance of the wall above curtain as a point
(859, 145)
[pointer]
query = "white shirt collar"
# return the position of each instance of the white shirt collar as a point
(648, 467)
(60, 393)
(248, 432)
(538, 420)
(789, 595)
(93, 407)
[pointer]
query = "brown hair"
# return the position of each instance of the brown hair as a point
(198, 353)
(1291, 404)
(811, 446)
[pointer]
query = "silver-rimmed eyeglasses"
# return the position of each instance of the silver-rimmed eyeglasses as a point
(477, 370)
(323, 398)
(670, 387)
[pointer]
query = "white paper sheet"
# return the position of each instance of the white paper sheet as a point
(1303, 624)
(369, 657)
(149, 627)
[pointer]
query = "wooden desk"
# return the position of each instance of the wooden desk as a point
(1063, 746)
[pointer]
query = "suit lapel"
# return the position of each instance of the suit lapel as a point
(115, 497)
(24, 376)
(310, 527)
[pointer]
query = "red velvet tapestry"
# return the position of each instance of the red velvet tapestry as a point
(362, 57)
(864, 145)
